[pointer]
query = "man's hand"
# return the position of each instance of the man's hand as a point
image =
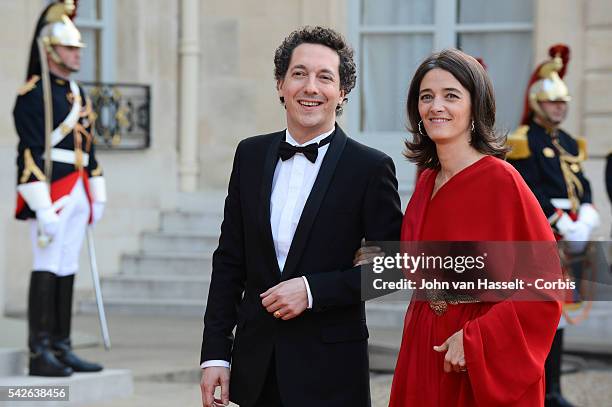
(366, 255)
(211, 378)
(289, 298)
(454, 360)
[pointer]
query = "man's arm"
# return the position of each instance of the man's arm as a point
(226, 287)
(382, 220)
(228, 276)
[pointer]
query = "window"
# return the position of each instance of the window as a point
(95, 20)
(500, 33)
(391, 37)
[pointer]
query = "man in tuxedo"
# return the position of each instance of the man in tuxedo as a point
(299, 203)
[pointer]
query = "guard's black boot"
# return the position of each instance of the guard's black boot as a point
(552, 368)
(61, 334)
(556, 400)
(41, 315)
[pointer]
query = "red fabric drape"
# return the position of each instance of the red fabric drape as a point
(505, 343)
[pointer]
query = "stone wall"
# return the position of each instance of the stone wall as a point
(238, 39)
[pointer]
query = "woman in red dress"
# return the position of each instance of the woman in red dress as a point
(465, 353)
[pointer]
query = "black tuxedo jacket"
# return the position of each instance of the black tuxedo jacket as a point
(321, 356)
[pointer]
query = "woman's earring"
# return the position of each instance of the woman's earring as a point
(472, 126)
(421, 131)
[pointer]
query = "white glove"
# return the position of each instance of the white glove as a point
(48, 221)
(589, 215)
(97, 211)
(564, 224)
(578, 237)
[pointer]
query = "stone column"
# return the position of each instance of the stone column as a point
(189, 52)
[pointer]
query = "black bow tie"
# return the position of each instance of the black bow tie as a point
(310, 151)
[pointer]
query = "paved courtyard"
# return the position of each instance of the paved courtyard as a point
(163, 356)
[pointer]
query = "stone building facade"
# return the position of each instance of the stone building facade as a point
(210, 67)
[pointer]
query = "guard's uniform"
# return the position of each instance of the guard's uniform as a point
(77, 180)
(550, 161)
(58, 215)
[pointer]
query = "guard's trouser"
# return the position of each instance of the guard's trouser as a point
(61, 256)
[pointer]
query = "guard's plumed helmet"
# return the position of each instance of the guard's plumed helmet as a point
(546, 83)
(54, 27)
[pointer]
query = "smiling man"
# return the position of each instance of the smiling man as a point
(299, 203)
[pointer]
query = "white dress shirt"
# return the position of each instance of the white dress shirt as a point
(293, 180)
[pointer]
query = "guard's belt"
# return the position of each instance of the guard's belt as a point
(561, 203)
(60, 155)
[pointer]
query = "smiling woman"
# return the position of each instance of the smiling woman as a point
(466, 193)
(462, 87)
(444, 107)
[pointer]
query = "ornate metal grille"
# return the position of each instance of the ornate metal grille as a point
(122, 115)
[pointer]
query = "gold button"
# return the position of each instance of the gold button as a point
(548, 152)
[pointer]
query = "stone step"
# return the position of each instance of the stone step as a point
(209, 201)
(162, 264)
(84, 388)
(12, 362)
(182, 242)
(129, 306)
(191, 221)
(155, 287)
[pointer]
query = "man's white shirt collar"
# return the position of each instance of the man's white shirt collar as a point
(289, 139)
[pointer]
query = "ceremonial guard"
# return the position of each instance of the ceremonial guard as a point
(60, 188)
(550, 161)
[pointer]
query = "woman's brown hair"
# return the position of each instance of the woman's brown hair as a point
(473, 77)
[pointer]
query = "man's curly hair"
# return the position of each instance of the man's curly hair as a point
(323, 36)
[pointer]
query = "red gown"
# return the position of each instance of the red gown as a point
(505, 343)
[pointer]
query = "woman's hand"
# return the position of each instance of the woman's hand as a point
(366, 255)
(454, 360)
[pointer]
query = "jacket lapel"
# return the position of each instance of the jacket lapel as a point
(313, 203)
(264, 200)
